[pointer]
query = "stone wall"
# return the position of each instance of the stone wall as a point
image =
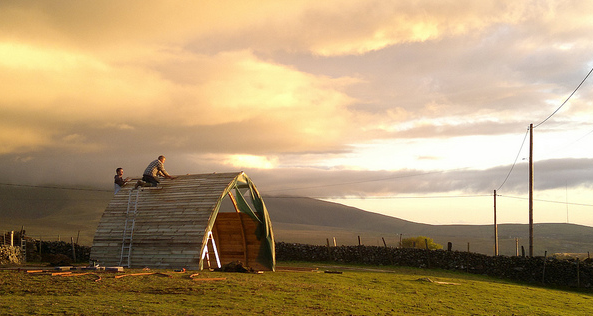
(56, 252)
(10, 255)
(573, 273)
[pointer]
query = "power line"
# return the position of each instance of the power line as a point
(563, 103)
(408, 197)
(542, 122)
(548, 201)
(53, 187)
(515, 162)
(38, 199)
(570, 144)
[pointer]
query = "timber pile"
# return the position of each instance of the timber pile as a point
(575, 273)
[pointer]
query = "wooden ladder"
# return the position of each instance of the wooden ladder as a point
(128, 235)
(206, 252)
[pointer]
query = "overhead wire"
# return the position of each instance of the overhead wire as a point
(53, 187)
(515, 162)
(409, 197)
(571, 143)
(565, 101)
(542, 122)
(548, 201)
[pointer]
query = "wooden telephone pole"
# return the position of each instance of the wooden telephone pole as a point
(531, 190)
(495, 228)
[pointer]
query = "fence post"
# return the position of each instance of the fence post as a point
(449, 246)
(544, 271)
(516, 246)
(384, 244)
(578, 273)
(73, 252)
(427, 254)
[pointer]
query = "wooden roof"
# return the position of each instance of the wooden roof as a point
(171, 223)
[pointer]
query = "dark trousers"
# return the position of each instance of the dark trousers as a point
(150, 179)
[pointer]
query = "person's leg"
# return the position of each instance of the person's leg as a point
(150, 179)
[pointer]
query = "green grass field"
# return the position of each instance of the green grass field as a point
(356, 291)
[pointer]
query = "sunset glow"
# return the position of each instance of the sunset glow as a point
(387, 106)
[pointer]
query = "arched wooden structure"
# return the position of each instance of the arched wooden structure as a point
(192, 222)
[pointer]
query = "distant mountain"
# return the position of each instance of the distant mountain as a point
(306, 220)
(48, 213)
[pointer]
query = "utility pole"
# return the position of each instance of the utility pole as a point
(531, 190)
(495, 228)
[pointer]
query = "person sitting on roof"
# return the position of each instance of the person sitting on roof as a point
(119, 180)
(154, 169)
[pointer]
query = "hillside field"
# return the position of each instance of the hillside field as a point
(304, 289)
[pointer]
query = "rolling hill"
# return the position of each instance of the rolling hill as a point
(48, 213)
(306, 220)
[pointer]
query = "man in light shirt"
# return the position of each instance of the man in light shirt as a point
(155, 168)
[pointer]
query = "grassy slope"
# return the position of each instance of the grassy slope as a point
(358, 291)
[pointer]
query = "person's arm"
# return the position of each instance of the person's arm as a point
(163, 172)
(121, 182)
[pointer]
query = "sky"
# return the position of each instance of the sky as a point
(413, 109)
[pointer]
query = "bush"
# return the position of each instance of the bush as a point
(420, 242)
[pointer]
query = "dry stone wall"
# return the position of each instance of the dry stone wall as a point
(56, 252)
(10, 255)
(572, 273)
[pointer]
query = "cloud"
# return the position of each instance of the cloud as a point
(230, 93)
(320, 98)
(336, 183)
(16, 139)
